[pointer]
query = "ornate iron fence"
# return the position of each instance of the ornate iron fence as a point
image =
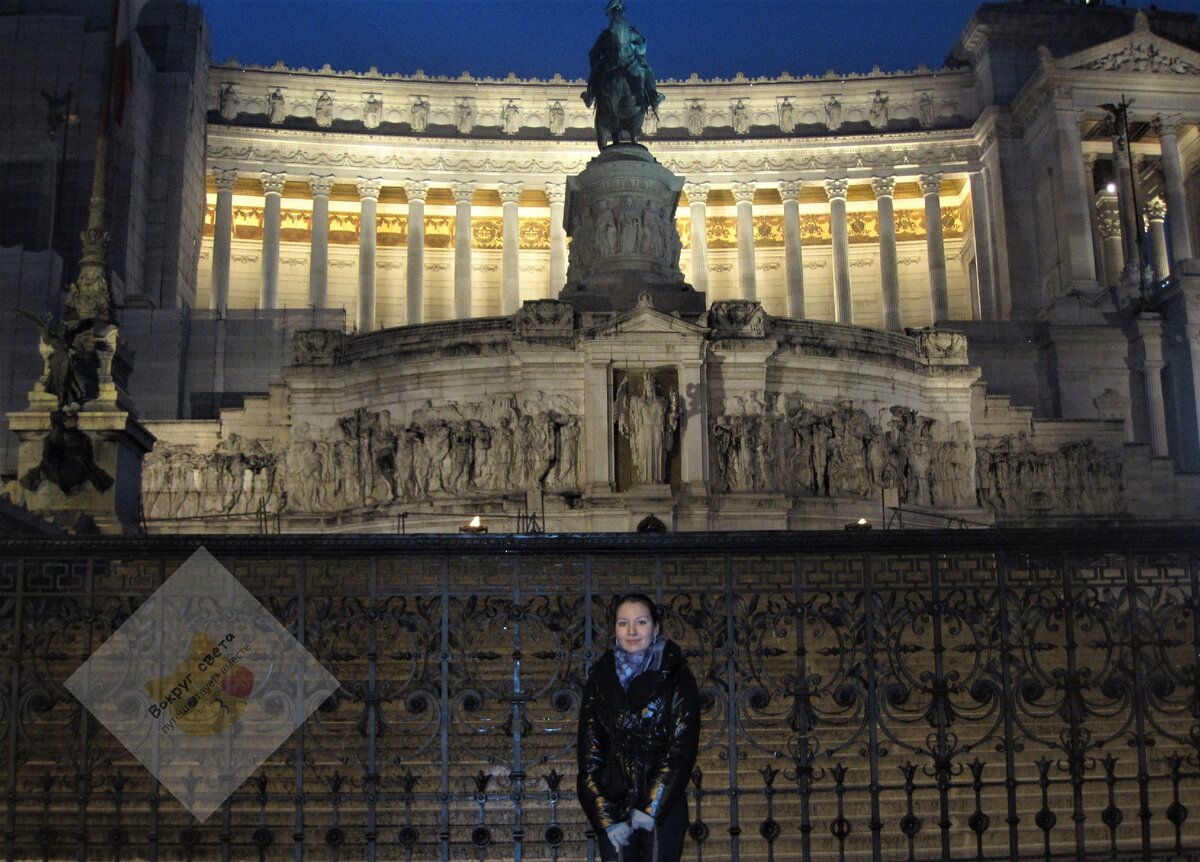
(901, 696)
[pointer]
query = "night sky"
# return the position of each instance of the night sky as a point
(536, 38)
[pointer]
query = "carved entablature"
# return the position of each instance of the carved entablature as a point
(317, 346)
(736, 318)
(544, 318)
(1143, 57)
(940, 346)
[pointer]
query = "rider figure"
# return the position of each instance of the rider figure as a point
(620, 51)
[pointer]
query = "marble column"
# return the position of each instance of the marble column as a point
(1125, 198)
(1150, 329)
(462, 248)
(272, 184)
(368, 196)
(1182, 242)
(793, 252)
(416, 190)
(556, 193)
(935, 248)
(1108, 220)
(843, 308)
(1156, 215)
(743, 193)
(697, 195)
(985, 258)
(889, 266)
(225, 178)
(318, 258)
(1074, 215)
(510, 261)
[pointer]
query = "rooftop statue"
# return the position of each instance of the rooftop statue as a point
(620, 83)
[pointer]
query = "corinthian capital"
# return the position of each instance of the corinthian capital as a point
(416, 190)
(225, 178)
(789, 190)
(1168, 124)
(883, 186)
(273, 183)
(931, 184)
(743, 192)
(1109, 224)
(320, 185)
(463, 192)
(510, 193)
(697, 193)
(369, 187)
(1156, 209)
(837, 188)
(556, 193)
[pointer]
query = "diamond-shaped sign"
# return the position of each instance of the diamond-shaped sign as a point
(202, 684)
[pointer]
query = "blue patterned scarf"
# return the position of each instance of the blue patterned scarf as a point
(630, 665)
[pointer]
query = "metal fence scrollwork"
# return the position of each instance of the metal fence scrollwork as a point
(864, 698)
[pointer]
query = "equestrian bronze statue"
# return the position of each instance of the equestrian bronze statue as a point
(620, 83)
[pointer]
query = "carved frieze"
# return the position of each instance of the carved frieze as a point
(1145, 56)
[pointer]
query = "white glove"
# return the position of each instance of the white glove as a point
(639, 819)
(619, 834)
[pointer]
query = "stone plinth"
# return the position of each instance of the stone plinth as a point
(620, 215)
(110, 486)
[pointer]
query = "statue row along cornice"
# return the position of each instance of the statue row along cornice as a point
(373, 74)
(699, 110)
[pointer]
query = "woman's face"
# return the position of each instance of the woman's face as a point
(635, 627)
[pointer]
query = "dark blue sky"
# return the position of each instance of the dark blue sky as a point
(536, 38)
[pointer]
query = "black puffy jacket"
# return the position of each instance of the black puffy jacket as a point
(637, 748)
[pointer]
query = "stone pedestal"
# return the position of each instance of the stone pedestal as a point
(620, 215)
(84, 463)
(118, 443)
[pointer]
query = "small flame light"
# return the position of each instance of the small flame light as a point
(860, 524)
(475, 526)
(1111, 188)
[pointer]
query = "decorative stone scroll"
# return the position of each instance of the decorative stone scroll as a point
(317, 346)
(741, 318)
(544, 318)
(941, 346)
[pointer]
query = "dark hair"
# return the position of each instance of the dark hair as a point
(639, 598)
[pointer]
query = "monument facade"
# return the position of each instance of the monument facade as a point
(790, 302)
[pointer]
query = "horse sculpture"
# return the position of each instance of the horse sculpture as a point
(621, 83)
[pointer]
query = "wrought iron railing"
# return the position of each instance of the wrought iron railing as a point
(957, 695)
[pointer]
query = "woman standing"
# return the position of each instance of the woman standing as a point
(639, 726)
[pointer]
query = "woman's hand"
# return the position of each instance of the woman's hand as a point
(619, 834)
(639, 819)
